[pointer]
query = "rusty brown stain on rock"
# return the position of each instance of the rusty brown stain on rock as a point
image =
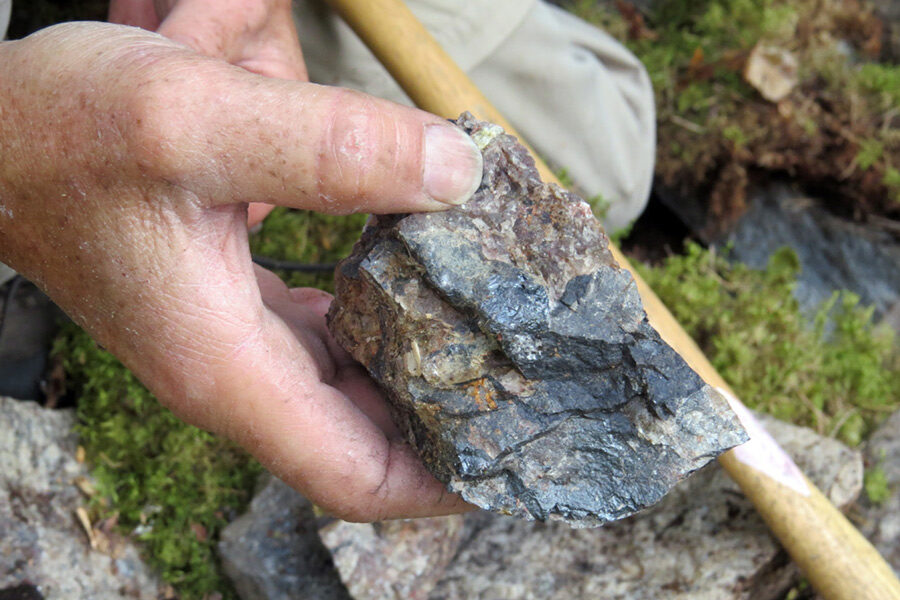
(517, 357)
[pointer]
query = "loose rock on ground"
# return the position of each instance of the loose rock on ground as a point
(44, 549)
(704, 541)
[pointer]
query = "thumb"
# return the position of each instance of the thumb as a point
(307, 146)
(137, 13)
(258, 36)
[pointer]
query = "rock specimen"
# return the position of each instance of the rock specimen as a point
(516, 354)
(704, 541)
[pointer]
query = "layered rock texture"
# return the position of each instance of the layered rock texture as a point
(516, 354)
(704, 541)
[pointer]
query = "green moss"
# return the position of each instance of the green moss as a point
(800, 591)
(883, 80)
(892, 181)
(870, 152)
(711, 123)
(172, 486)
(836, 373)
(876, 485)
(735, 135)
(564, 178)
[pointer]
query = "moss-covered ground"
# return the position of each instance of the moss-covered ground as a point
(837, 131)
(836, 373)
(306, 237)
(169, 485)
(173, 486)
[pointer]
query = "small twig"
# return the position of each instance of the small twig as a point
(689, 125)
(848, 170)
(85, 486)
(817, 412)
(840, 422)
(85, 522)
(888, 119)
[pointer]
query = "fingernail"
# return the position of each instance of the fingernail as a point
(453, 164)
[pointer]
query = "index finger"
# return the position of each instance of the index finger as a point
(238, 137)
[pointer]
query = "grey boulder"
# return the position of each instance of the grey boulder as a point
(43, 548)
(273, 551)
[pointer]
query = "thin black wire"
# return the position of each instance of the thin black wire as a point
(287, 265)
(14, 284)
(263, 261)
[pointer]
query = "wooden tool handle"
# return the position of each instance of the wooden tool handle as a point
(840, 563)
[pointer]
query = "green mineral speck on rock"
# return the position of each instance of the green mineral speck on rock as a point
(485, 136)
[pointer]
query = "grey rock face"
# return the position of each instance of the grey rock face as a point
(704, 541)
(517, 356)
(41, 541)
(5, 272)
(881, 523)
(31, 323)
(393, 559)
(834, 254)
(279, 550)
(273, 551)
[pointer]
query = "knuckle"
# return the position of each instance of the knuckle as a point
(363, 510)
(158, 129)
(152, 134)
(359, 492)
(357, 151)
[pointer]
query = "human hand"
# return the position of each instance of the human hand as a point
(127, 164)
(257, 35)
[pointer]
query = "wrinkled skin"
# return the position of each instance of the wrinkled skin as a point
(126, 165)
(257, 35)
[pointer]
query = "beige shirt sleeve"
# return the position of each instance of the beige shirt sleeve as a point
(5, 10)
(583, 101)
(577, 95)
(469, 30)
